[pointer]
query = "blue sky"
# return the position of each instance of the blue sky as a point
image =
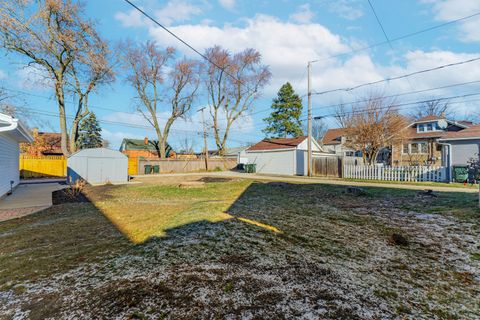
(287, 34)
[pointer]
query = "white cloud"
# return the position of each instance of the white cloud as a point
(33, 77)
(227, 4)
(447, 10)
(349, 10)
(132, 18)
(303, 14)
(172, 12)
(285, 47)
(177, 11)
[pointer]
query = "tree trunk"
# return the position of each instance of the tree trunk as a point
(62, 117)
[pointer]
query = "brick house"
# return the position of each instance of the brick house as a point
(146, 148)
(420, 141)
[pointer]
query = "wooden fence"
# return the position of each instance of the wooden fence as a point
(327, 167)
(42, 166)
(387, 173)
(132, 166)
(187, 165)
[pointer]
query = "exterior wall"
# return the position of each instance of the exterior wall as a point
(9, 160)
(401, 159)
(139, 153)
(464, 150)
(274, 162)
(98, 166)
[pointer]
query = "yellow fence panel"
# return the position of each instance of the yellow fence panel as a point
(132, 166)
(42, 166)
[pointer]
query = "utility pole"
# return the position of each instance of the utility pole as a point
(204, 138)
(309, 140)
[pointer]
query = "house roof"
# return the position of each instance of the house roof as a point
(13, 127)
(139, 144)
(333, 136)
(472, 132)
(430, 118)
(52, 142)
(279, 143)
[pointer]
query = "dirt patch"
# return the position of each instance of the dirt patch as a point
(215, 179)
(62, 196)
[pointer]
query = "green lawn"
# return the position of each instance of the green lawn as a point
(244, 249)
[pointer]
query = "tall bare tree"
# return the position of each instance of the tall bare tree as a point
(54, 36)
(159, 90)
(434, 107)
(233, 85)
(372, 125)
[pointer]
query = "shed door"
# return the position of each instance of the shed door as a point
(94, 170)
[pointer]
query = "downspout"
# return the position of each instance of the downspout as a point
(449, 159)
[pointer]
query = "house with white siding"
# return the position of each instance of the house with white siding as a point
(12, 133)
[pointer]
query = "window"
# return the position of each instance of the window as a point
(429, 126)
(414, 148)
(421, 128)
(423, 147)
(405, 148)
(349, 153)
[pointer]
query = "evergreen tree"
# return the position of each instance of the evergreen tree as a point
(89, 133)
(285, 118)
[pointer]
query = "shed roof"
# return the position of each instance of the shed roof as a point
(280, 143)
(98, 153)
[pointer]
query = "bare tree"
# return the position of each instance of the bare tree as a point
(233, 84)
(434, 107)
(159, 90)
(372, 125)
(54, 36)
(319, 128)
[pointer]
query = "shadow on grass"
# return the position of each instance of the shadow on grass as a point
(251, 218)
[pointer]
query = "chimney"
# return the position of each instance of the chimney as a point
(145, 140)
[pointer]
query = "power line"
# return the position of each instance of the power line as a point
(184, 42)
(408, 35)
(380, 23)
(398, 107)
(398, 77)
(402, 94)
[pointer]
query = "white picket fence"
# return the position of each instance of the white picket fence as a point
(386, 173)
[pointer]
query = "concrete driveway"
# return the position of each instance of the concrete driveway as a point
(27, 199)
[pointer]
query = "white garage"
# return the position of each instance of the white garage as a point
(12, 133)
(285, 156)
(98, 166)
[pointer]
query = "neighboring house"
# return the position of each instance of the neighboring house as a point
(286, 156)
(44, 143)
(12, 133)
(419, 144)
(459, 147)
(144, 148)
(334, 141)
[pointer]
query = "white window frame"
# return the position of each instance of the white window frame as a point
(420, 148)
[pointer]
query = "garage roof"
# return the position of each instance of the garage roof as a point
(280, 143)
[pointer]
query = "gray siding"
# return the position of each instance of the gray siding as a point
(98, 166)
(9, 155)
(464, 150)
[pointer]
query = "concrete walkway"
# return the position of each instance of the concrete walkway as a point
(27, 199)
(299, 179)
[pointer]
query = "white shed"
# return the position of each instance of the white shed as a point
(286, 156)
(12, 132)
(98, 166)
